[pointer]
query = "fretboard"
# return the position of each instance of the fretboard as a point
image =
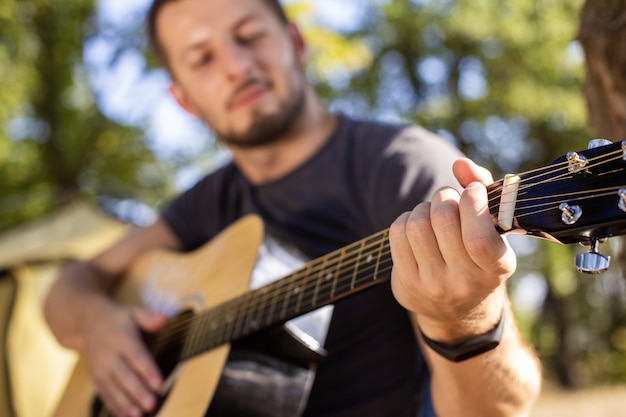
(319, 283)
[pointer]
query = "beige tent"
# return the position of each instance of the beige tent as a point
(33, 366)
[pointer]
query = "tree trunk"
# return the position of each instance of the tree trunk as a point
(602, 34)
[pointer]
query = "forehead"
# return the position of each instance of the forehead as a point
(188, 18)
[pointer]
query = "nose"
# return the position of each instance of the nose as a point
(237, 60)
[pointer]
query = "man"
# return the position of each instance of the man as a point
(321, 181)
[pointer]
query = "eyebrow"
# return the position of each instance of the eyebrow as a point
(195, 45)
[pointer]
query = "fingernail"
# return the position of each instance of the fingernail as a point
(148, 402)
(155, 383)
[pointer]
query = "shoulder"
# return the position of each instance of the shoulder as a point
(373, 140)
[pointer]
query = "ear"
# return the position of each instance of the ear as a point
(299, 44)
(181, 98)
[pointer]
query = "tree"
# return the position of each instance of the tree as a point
(58, 146)
(602, 34)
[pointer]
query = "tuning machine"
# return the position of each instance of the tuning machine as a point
(592, 262)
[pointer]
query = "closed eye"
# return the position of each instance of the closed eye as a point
(201, 59)
(251, 37)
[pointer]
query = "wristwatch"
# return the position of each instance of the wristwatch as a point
(470, 348)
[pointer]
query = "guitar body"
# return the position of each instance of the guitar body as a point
(171, 282)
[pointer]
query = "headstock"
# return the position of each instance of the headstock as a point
(580, 197)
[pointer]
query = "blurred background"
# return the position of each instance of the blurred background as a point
(90, 142)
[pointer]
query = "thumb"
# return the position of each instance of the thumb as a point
(148, 321)
(466, 172)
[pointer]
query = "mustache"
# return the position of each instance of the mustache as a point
(250, 82)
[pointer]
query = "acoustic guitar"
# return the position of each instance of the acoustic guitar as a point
(580, 197)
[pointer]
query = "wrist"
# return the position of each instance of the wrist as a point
(456, 326)
(469, 348)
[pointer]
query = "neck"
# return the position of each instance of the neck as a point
(307, 135)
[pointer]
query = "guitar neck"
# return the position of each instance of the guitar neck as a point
(319, 283)
(580, 197)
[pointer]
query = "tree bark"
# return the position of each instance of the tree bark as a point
(602, 34)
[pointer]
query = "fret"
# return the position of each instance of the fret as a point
(221, 321)
(291, 288)
(363, 271)
(380, 251)
(229, 324)
(311, 286)
(240, 318)
(201, 325)
(318, 280)
(318, 283)
(257, 318)
(301, 290)
(356, 266)
(206, 329)
(272, 305)
(212, 340)
(196, 333)
(345, 275)
(332, 275)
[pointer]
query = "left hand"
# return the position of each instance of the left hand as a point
(450, 265)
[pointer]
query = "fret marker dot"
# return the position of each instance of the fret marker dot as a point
(329, 276)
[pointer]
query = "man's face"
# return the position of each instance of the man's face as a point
(235, 65)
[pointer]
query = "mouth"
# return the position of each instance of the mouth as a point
(248, 94)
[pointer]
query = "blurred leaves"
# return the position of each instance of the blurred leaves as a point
(56, 145)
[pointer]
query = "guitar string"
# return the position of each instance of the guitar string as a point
(544, 173)
(548, 206)
(277, 291)
(277, 294)
(280, 291)
(556, 168)
(525, 186)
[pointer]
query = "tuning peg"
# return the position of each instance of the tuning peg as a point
(596, 143)
(592, 262)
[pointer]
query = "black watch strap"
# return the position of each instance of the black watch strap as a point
(470, 348)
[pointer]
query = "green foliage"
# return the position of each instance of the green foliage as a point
(502, 79)
(56, 145)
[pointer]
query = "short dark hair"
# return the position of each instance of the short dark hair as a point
(157, 5)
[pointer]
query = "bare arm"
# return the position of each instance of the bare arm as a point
(83, 317)
(450, 272)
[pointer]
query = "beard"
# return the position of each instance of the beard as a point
(266, 129)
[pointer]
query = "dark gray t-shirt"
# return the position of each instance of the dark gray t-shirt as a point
(364, 177)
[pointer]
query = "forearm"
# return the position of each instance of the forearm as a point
(78, 288)
(502, 382)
